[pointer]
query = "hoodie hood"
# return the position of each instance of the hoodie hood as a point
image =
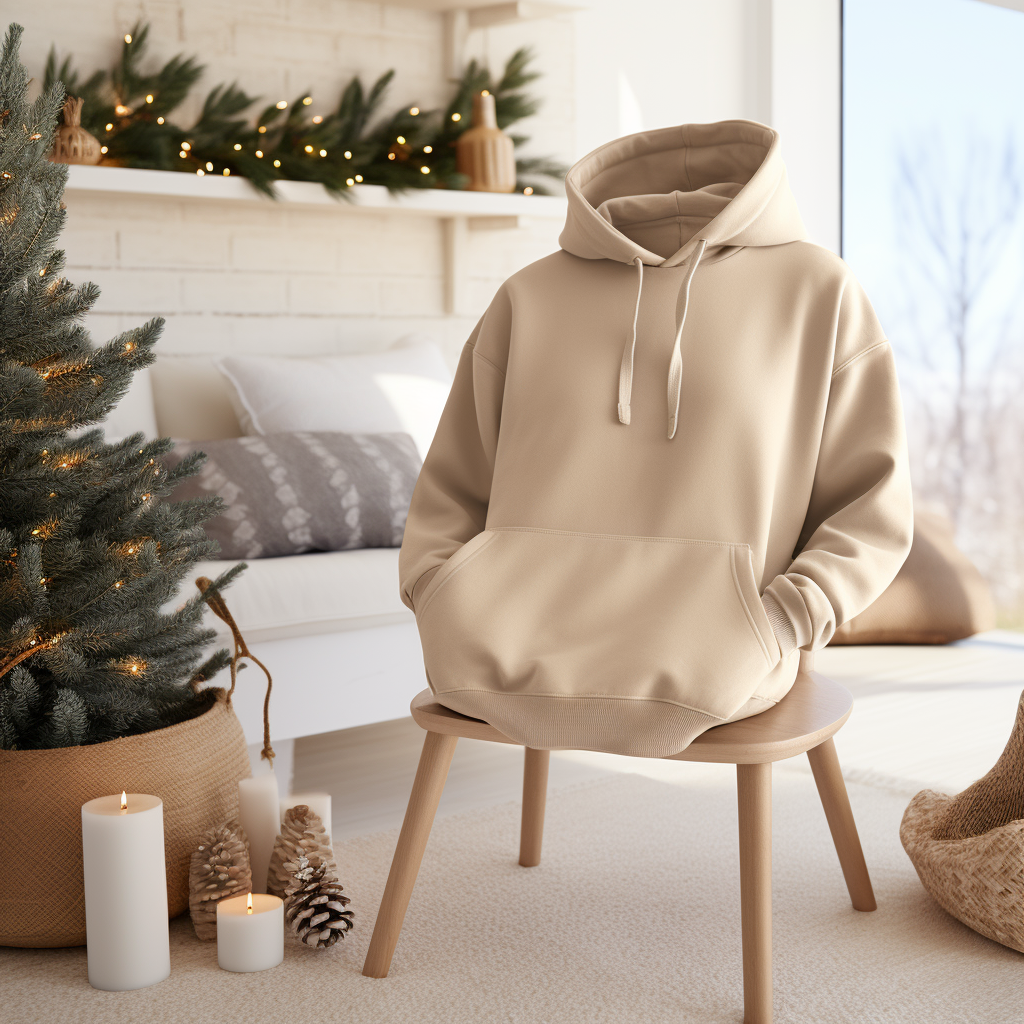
(674, 196)
(723, 183)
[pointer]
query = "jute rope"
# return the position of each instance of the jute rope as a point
(241, 650)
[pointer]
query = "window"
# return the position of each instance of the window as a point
(933, 211)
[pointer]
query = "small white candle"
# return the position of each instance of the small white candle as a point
(318, 803)
(250, 932)
(259, 810)
(125, 891)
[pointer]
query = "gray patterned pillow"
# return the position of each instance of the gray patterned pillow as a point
(296, 492)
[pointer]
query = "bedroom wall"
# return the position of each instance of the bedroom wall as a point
(266, 278)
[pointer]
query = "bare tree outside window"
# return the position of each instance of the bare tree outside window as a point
(954, 314)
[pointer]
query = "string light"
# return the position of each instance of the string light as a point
(209, 166)
(128, 37)
(183, 155)
(121, 110)
(428, 149)
(401, 140)
(129, 346)
(528, 191)
(323, 152)
(238, 146)
(200, 172)
(281, 104)
(32, 138)
(306, 100)
(359, 177)
(348, 154)
(149, 98)
(456, 116)
(259, 153)
(309, 149)
(159, 120)
(262, 129)
(318, 119)
(110, 127)
(424, 169)
(119, 584)
(391, 156)
(226, 172)
(350, 181)
(103, 149)
(277, 163)
(414, 111)
(186, 146)
(485, 92)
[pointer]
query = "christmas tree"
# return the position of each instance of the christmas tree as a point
(89, 553)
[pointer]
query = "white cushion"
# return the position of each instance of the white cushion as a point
(402, 389)
(299, 595)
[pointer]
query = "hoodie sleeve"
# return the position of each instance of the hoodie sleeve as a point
(859, 523)
(449, 502)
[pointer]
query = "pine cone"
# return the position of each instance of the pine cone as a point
(302, 835)
(314, 905)
(219, 868)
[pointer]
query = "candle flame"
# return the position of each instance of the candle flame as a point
(124, 800)
(248, 904)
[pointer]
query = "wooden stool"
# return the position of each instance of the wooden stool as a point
(803, 722)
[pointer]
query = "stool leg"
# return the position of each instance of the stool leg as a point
(754, 791)
(412, 840)
(535, 793)
(832, 790)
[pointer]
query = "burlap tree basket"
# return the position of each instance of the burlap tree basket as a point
(969, 849)
(194, 767)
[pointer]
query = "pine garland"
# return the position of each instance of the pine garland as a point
(89, 553)
(130, 113)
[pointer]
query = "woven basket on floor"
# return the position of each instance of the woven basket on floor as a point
(979, 879)
(194, 767)
(969, 849)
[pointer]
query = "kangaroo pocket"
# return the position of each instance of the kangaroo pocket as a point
(546, 612)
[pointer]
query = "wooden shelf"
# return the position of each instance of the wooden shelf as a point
(458, 212)
(430, 202)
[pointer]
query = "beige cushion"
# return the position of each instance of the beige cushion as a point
(299, 595)
(938, 596)
(192, 399)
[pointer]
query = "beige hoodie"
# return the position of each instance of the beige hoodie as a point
(672, 456)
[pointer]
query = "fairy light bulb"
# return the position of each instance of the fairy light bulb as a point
(103, 149)
(309, 149)
(200, 172)
(359, 177)
(350, 181)
(306, 100)
(110, 126)
(226, 172)
(262, 129)
(528, 191)
(456, 116)
(237, 146)
(318, 119)
(424, 169)
(259, 154)
(281, 104)
(348, 154)
(428, 149)
(149, 97)
(159, 120)
(414, 111)
(209, 165)
(186, 146)
(323, 152)
(400, 140)
(277, 163)
(128, 37)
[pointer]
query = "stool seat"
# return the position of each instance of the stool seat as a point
(814, 710)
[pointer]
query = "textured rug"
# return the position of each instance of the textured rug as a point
(632, 916)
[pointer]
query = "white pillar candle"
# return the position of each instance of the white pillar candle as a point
(259, 810)
(318, 803)
(125, 891)
(250, 932)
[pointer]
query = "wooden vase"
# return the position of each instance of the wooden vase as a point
(484, 153)
(73, 144)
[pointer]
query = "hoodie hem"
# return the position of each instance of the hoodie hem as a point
(633, 726)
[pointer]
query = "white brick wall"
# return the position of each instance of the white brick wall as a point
(260, 278)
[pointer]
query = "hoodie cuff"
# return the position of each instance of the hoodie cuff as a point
(782, 626)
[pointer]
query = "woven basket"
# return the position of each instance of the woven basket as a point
(194, 767)
(978, 879)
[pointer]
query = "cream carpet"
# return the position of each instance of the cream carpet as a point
(633, 916)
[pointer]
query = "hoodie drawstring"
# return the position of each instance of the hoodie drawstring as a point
(626, 367)
(675, 368)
